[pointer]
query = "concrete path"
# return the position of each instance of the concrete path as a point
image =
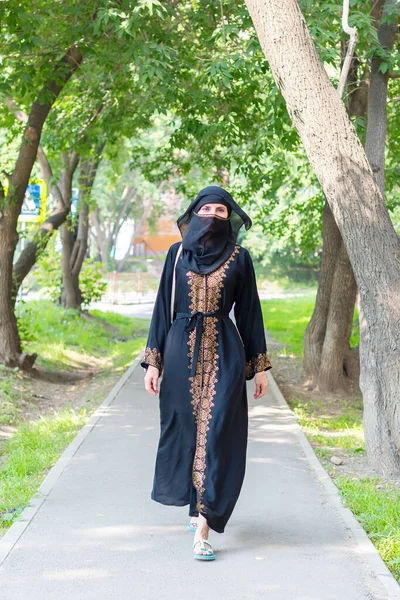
(93, 533)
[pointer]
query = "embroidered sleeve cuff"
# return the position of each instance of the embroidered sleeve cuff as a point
(256, 364)
(152, 357)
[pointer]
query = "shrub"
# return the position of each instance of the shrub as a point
(91, 282)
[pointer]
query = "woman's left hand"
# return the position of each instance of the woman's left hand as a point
(261, 384)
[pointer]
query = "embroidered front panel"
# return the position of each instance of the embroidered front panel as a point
(205, 293)
(153, 357)
(256, 364)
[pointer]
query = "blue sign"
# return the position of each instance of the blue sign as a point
(34, 204)
(31, 203)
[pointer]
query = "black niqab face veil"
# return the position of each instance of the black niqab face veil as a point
(208, 241)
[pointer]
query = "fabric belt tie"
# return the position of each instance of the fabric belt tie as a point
(195, 320)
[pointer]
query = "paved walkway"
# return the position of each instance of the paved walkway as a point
(94, 533)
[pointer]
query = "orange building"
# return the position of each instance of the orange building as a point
(147, 243)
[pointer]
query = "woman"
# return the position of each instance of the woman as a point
(205, 363)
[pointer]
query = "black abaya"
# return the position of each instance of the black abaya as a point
(201, 454)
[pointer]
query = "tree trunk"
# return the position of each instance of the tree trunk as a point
(338, 366)
(336, 347)
(316, 329)
(101, 238)
(10, 207)
(327, 349)
(107, 232)
(377, 98)
(62, 205)
(67, 233)
(10, 346)
(75, 246)
(70, 295)
(333, 298)
(359, 209)
(381, 411)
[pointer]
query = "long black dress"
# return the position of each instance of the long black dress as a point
(204, 364)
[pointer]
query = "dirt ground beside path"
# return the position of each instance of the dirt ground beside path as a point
(323, 408)
(50, 392)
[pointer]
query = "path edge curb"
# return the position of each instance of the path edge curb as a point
(12, 535)
(367, 550)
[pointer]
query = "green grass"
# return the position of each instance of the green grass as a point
(12, 391)
(343, 432)
(287, 318)
(378, 511)
(63, 340)
(268, 278)
(27, 457)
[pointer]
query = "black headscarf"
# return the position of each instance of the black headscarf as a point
(208, 241)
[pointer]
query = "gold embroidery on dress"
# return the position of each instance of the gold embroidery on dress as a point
(153, 357)
(257, 364)
(205, 293)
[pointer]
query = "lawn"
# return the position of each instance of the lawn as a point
(63, 339)
(286, 319)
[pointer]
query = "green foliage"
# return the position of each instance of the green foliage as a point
(396, 219)
(202, 69)
(91, 282)
(268, 169)
(287, 254)
(49, 275)
(25, 332)
(48, 271)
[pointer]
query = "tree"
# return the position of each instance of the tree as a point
(124, 191)
(328, 359)
(11, 203)
(61, 193)
(75, 243)
(39, 60)
(359, 209)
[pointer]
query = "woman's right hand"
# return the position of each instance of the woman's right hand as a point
(151, 380)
